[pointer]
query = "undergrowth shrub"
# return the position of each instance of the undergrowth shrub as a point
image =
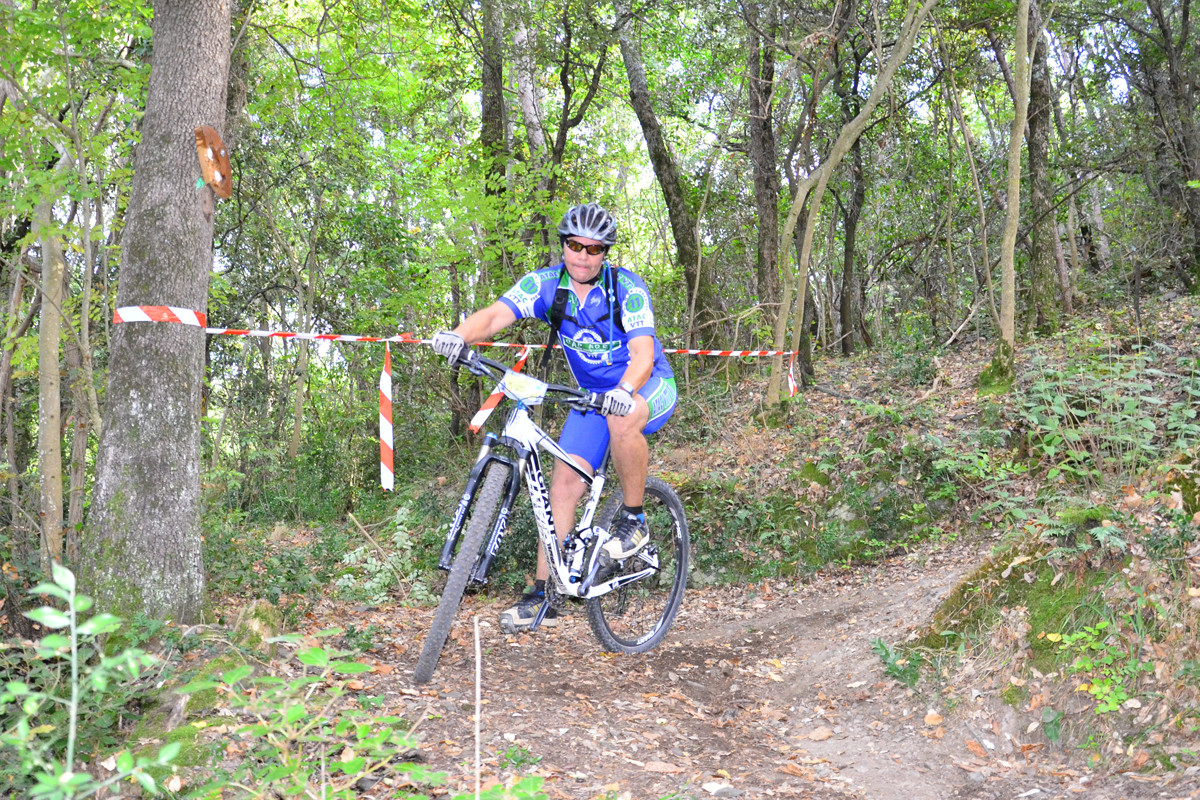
(370, 575)
(285, 729)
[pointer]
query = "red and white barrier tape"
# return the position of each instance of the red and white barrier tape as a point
(387, 473)
(387, 469)
(494, 398)
(183, 316)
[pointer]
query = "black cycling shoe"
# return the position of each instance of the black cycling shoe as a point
(521, 616)
(629, 535)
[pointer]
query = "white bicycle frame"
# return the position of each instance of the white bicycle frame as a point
(525, 438)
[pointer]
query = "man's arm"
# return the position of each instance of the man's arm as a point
(641, 361)
(487, 322)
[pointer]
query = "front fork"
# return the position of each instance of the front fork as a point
(512, 486)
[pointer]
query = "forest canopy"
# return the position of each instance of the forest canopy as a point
(820, 178)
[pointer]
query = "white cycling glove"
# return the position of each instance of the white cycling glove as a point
(617, 403)
(448, 344)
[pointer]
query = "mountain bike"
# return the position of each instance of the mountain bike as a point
(631, 608)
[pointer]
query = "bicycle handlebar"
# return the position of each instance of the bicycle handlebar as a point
(485, 367)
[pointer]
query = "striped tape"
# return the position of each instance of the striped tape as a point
(387, 469)
(387, 474)
(183, 316)
(494, 398)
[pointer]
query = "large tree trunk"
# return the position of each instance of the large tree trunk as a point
(144, 552)
(683, 221)
(1044, 296)
(49, 386)
(762, 150)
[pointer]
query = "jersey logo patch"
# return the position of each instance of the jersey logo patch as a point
(589, 346)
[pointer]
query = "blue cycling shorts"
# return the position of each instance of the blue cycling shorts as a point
(586, 434)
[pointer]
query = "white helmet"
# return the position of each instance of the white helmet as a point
(589, 221)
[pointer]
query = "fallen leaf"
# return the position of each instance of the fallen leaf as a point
(821, 734)
(792, 769)
(933, 719)
(347, 756)
(109, 763)
(976, 748)
(712, 787)
(174, 783)
(663, 767)
(383, 669)
(355, 685)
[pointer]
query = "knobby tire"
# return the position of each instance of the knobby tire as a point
(483, 516)
(636, 617)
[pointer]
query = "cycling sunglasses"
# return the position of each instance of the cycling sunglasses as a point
(592, 249)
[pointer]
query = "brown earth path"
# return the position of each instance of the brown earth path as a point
(770, 690)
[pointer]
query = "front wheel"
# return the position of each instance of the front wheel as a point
(483, 516)
(637, 616)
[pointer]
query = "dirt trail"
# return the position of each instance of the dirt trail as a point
(764, 691)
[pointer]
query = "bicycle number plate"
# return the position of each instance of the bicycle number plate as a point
(525, 388)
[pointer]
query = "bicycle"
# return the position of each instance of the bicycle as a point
(629, 610)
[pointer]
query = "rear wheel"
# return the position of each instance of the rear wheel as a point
(637, 616)
(483, 516)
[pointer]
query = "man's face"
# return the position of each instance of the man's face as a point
(583, 266)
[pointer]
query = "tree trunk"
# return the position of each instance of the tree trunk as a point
(49, 386)
(763, 156)
(998, 376)
(816, 182)
(851, 213)
(1044, 295)
(492, 134)
(530, 103)
(683, 221)
(144, 552)
(77, 471)
(849, 305)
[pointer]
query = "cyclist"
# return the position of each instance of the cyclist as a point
(603, 317)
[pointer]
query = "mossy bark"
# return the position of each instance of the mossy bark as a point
(998, 376)
(143, 552)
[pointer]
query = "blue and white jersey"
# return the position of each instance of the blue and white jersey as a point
(597, 349)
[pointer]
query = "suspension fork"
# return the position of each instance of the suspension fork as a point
(485, 457)
(500, 526)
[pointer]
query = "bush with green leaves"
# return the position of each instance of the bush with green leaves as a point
(369, 576)
(60, 697)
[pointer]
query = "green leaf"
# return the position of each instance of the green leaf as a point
(125, 761)
(197, 686)
(277, 773)
(350, 667)
(168, 752)
(101, 623)
(63, 576)
(238, 673)
(49, 617)
(351, 767)
(52, 590)
(294, 713)
(314, 657)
